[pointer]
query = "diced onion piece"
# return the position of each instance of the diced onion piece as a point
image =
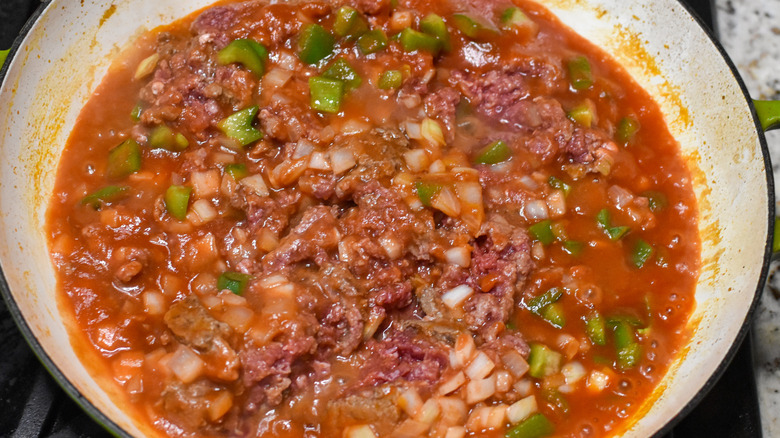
(410, 402)
(556, 203)
(464, 350)
(267, 240)
(146, 66)
(503, 381)
(515, 363)
(497, 417)
(205, 210)
(597, 381)
(537, 250)
(411, 429)
(573, 372)
(205, 184)
(459, 255)
(391, 245)
(536, 210)
(354, 126)
(456, 296)
(304, 148)
(480, 366)
(604, 164)
(452, 384)
(470, 193)
(481, 389)
(372, 325)
(342, 160)
(154, 303)
(437, 167)
(403, 179)
(455, 432)
(400, 20)
(524, 387)
(428, 412)
(276, 77)
(186, 365)
(287, 172)
(413, 130)
(319, 161)
(446, 202)
(521, 409)
(431, 131)
(569, 345)
(361, 431)
(238, 317)
(416, 159)
(256, 184)
(211, 301)
(287, 60)
(220, 405)
(453, 411)
(529, 182)
(619, 196)
(487, 417)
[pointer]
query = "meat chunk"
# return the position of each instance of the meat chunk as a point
(192, 325)
(498, 94)
(311, 239)
(404, 356)
(441, 105)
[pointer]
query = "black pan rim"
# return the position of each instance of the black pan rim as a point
(97, 415)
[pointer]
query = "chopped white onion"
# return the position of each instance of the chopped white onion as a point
(515, 363)
(529, 182)
(556, 203)
(416, 159)
(154, 302)
(452, 384)
(503, 381)
(480, 366)
(537, 250)
(211, 301)
(238, 317)
(205, 210)
(459, 255)
(619, 196)
(428, 412)
(431, 131)
(521, 409)
(573, 372)
(410, 402)
(523, 387)
(342, 160)
(437, 167)
(597, 381)
(205, 184)
(354, 126)
(536, 210)
(276, 78)
(456, 432)
(303, 149)
(411, 429)
(453, 410)
(288, 61)
(186, 365)
(146, 66)
(391, 245)
(400, 20)
(220, 405)
(470, 193)
(256, 184)
(413, 130)
(274, 281)
(319, 161)
(446, 202)
(361, 431)
(287, 172)
(481, 389)
(456, 296)
(487, 417)
(464, 350)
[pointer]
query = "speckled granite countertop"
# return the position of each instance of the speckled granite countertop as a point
(750, 33)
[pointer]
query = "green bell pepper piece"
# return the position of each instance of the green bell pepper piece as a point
(3, 56)
(349, 23)
(596, 330)
(135, 114)
(626, 129)
(248, 53)
(163, 137)
(238, 126)
(342, 71)
(412, 40)
(124, 159)
(614, 232)
(542, 231)
(326, 94)
(559, 184)
(641, 253)
(390, 79)
(434, 25)
(426, 191)
(237, 170)
(177, 199)
(536, 304)
(656, 200)
(514, 16)
(315, 44)
(105, 195)
(469, 26)
(372, 41)
(535, 426)
(572, 247)
(553, 313)
(580, 74)
(582, 114)
(543, 362)
(494, 153)
(235, 282)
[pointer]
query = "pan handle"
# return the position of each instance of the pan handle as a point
(768, 112)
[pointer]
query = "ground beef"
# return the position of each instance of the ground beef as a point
(441, 105)
(290, 121)
(404, 356)
(498, 93)
(192, 325)
(311, 239)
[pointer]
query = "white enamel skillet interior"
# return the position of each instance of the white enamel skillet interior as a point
(67, 46)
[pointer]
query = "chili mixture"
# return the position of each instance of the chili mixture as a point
(375, 218)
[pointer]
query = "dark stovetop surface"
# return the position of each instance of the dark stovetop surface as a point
(32, 404)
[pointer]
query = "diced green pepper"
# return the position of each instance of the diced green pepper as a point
(543, 362)
(573, 247)
(628, 349)
(315, 44)
(514, 16)
(124, 159)
(604, 220)
(580, 74)
(326, 94)
(556, 399)
(542, 231)
(342, 71)
(349, 23)
(177, 199)
(629, 356)
(237, 170)
(426, 191)
(553, 313)
(536, 304)
(467, 25)
(390, 79)
(248, 53)
(3, 56)
(163, 137)
(559, 184)
(106, 195)
(238, 126)
(559, 231)
(412, 40)
(641, 253)
(596, 330)
(235, 282)
(626, 129)
(582, 114)
(135, 114)
(657, 200)
(372, 41)
(535, 426)
(616, 233)
(494, 153)
(434, 25)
